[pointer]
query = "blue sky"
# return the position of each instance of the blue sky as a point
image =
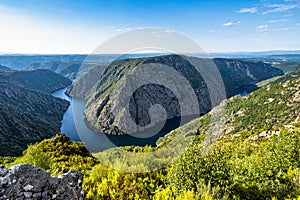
(65, 26)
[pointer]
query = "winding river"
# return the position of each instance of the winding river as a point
(73, 125)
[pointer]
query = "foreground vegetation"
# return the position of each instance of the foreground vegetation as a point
(256, 156)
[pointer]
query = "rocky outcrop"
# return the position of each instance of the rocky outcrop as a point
(125, 98)
(28, 182)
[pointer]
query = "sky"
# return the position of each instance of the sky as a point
(78, 27)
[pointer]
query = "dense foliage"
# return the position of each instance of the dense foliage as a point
(243, 168)
(58, 155)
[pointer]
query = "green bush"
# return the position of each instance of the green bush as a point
(36, 157)
(243, 169)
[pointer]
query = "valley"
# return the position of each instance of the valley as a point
(210, 155)
(255, 155)
(150, 100)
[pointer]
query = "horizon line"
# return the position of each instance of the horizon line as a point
(207, 53)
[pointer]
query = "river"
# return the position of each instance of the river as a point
(73, 126)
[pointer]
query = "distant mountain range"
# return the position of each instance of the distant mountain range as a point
(68, 69)
(3, 68)
(20, 62)
(256, 54)
(71, 65)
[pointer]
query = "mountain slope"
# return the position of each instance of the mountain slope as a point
(3, 68)
(27, 116)
(105, 113)
(28, 113)
(239, 75)
(274, 105)
(255, 155)
(40, 80)
(69, 69)
(66, 68)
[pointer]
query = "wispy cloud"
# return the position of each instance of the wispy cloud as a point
(266, 28)
(123, 30)
(277, 20)
(228, 24)
(274, 8)
(169, 31)
(282, 29)
(247, 10)
(263, 28)
(213, 31)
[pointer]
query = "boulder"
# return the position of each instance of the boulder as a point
(28, 182)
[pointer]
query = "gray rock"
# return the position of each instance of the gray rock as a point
(27, 194)
(32, 182)
(44, 194)
(192, 133)
(36, 195)
(255, 137)
(263, 134)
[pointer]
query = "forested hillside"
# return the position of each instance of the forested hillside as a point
(40, 80)
(28, 113)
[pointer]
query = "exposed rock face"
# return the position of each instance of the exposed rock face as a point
(143, 89)
(28, 182)
(125, 92)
